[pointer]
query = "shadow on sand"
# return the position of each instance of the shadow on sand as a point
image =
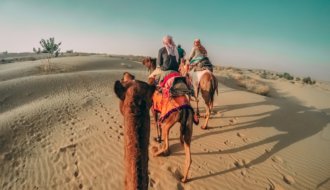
(295, 122)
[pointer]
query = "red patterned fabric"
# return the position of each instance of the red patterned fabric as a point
(167, 105)
(169, 76)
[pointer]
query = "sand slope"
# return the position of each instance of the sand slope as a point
(61, 129)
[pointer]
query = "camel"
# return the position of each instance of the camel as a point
(127, 77)
(135, 101)
(208, 85)
(150, 63)
(183, 116)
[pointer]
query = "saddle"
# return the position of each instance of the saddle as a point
(204, 64)
(180, 87)
(171, 96)
(175, 85)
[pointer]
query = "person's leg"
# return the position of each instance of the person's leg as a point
(155, 75)
(156, 72)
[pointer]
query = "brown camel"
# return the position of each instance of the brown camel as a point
(150, 63)
(127, 77)
(135, 101)
(183, 116)
(208, 85)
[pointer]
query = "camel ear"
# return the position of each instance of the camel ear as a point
(119, 90)
(151, 90)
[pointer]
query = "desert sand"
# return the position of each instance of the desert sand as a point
(61, 128)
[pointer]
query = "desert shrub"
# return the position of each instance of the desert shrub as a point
(287, 76)
(298, 79)
(69, 51)
(254, 86)
(257, 87)
(250, 84)
(237, 76)
(308, 80)
(279, 75)
(263, 75)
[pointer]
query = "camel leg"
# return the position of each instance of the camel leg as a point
(159, 129)
(197, 109)
(166, 141)
(187, 162)
(207, 116)
(157, 126)
(165, 129)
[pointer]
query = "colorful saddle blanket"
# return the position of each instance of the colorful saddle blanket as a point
(166, 104)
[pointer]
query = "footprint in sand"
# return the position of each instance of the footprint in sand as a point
(240, 135)
(76, 173)
(274, 186)
(229, 143)
(233, 121)
(277, 159)
(152, 182)
(56, 157)
(288, 179)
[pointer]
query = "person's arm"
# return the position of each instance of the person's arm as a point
(192, 54)
(160, 58)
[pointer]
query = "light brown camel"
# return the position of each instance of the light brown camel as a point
(150, 63)
(208, 85)
(127, 77)
(135, 101)
(183, 116)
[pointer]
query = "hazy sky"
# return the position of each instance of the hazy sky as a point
(279, 35)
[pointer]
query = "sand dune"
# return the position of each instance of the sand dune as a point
(61, 129)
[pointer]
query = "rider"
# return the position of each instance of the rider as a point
(181, 52)
(167, 61)
(198, 57)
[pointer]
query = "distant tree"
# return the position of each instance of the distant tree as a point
(49, 46)
(5, 52)
(37, 51)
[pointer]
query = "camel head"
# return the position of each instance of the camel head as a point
(150, 63)
(127, 77)
(134, 95)
(146, 61)
(184, 67)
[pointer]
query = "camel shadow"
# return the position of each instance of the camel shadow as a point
(291, 118)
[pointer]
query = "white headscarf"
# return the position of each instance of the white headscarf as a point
(170, 46)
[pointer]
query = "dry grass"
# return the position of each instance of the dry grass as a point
(250, 84)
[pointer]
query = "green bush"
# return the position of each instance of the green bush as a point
(287, 76)
(308, 80)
